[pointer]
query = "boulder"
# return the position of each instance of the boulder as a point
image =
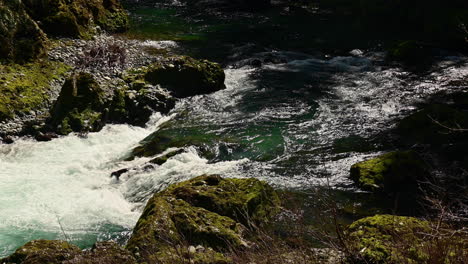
(434, 125)
(21, 39)
(392, 172)
(384, 239)
(209, 211)
(78, 18)
(27, 88)
(43, 251)
(184, 76)
(103, 252)
(80, 106)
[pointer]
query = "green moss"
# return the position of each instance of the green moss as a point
(43, 252)
(379, 237)
(25, 88)
(392, 172)
(207, 210)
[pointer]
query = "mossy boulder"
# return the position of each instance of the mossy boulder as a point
(28, 87)
(391, 172)
(434, 125)
(78, 18)
(207, 210)
(383, 239)
(43, 252)
(80, 106)
(184, 76)
(21, 39)
(103, 252)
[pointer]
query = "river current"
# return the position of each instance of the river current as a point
(296, 120)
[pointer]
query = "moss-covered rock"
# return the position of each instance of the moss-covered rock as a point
(207, 210)
(103, 252)
(21, 39)
(411, 53)
(78, 18)
(433, 124)
(80, 105)
(392, 172)
(383, 239)
(185, 76)
(25, 88)
(43, 252)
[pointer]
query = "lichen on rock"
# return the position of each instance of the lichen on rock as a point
(207, 210)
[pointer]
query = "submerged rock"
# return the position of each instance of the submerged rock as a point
(78, 18)
(21, 39)
(209, 211)
(380, 238)
(392, 172)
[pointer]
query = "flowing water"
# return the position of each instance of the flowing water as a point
(298, 119)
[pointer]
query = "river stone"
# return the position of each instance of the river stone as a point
(208, 210)
(391, 172)
(378, 238)
(184, 76)
(43, 251)
(21, 39)
(78, 18)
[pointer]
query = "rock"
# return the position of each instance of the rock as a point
(48, 136)
(380, 238)
(184, 76)
(432, 125)
(78, 18)
(80, 106)
(162, 159)
(119, 173)
(43, 251)
(103, 252)
(21, 39)
(28, 87)
(8, 140)
(392, 172)
(209, 211)
(168, 137)
(61, 252)
(411, 53)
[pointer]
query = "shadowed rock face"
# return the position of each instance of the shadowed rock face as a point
(208, 211)
(21, 39)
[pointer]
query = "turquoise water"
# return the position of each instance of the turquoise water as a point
(318, 101)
